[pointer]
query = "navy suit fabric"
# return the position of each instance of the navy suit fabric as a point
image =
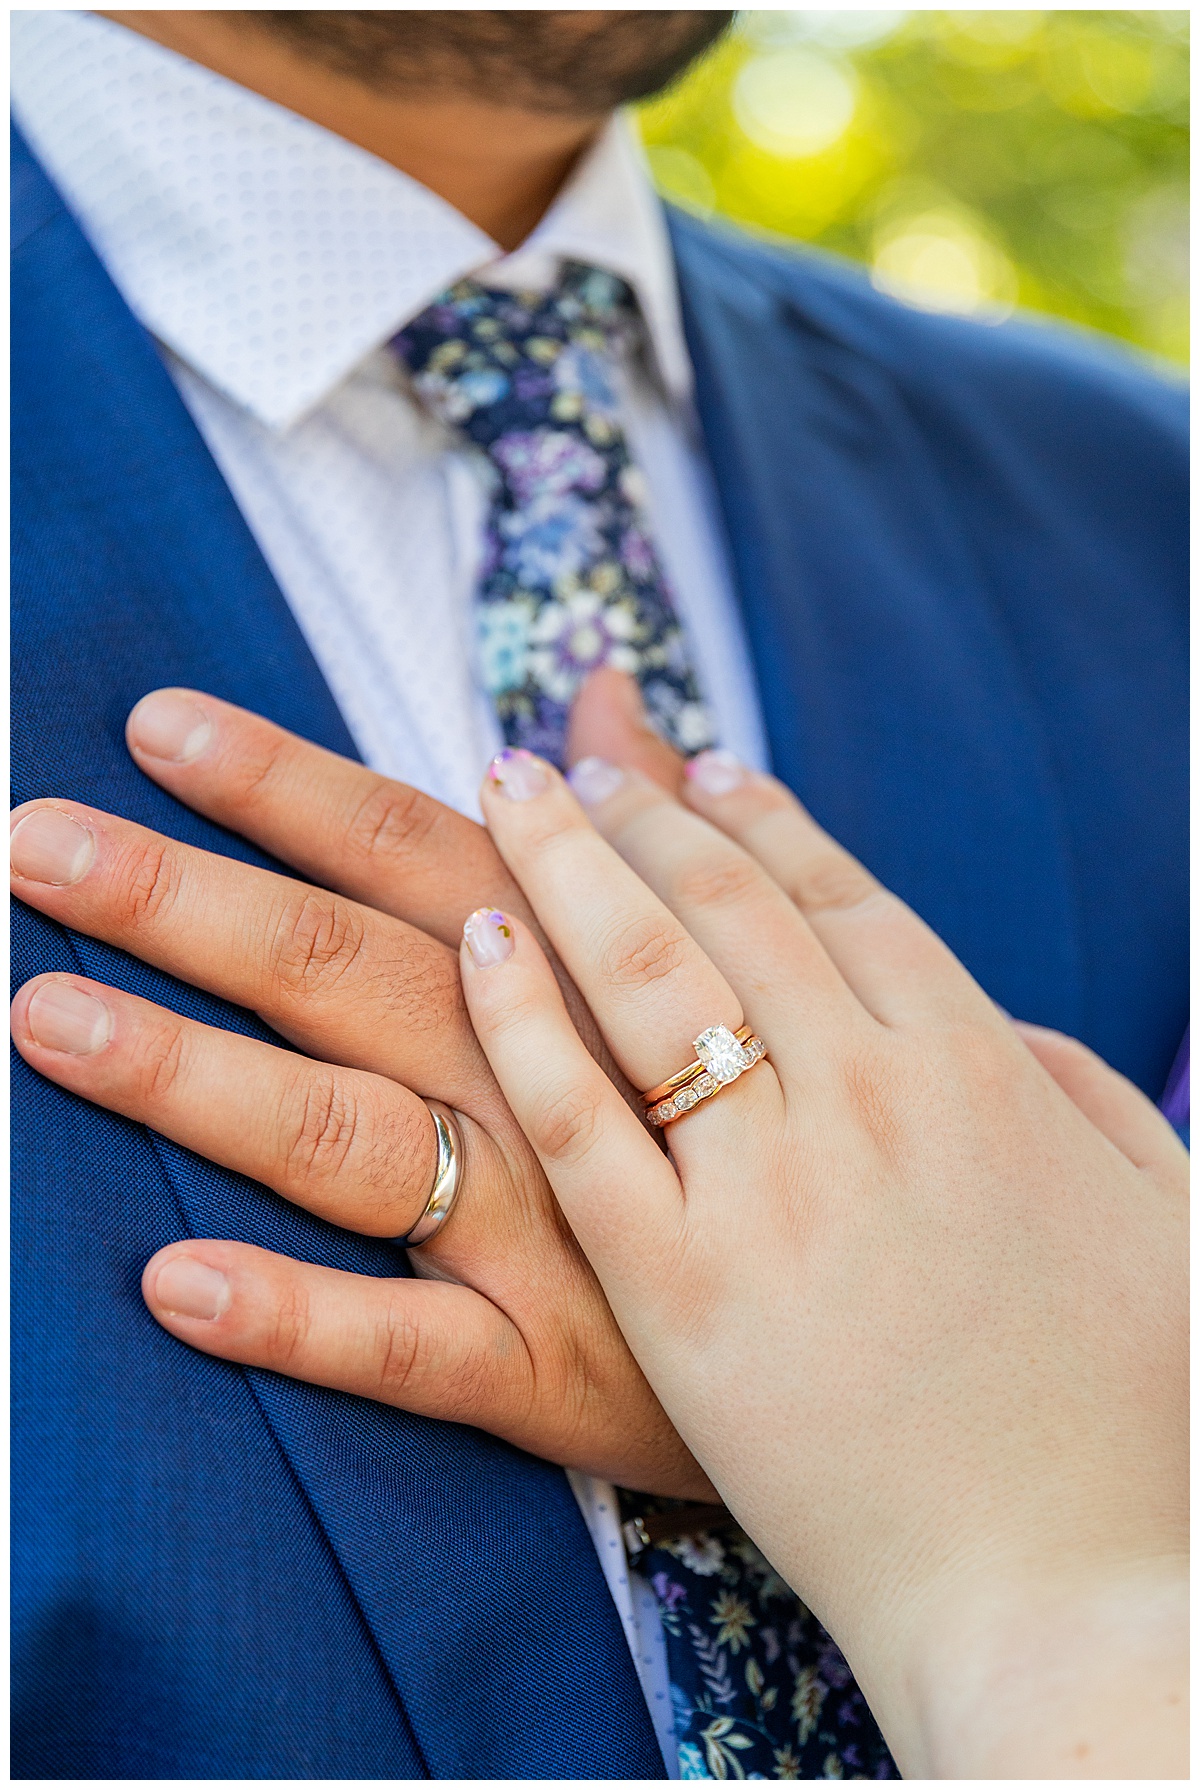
(220, 1573)
(960, 555)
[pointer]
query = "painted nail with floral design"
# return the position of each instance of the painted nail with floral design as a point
(518, 775)
(489, 936)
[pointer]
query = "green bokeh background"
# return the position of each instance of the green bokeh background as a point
(975, 161)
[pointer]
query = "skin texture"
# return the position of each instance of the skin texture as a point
(913, 1290)
(1000, 1482)
(420, 90)
(975, 1548)
(999, 1486)
(356, 966)
(531, 1353)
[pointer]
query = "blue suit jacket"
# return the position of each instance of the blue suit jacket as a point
(960, 553)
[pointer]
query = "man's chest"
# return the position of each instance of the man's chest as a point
(372, 518)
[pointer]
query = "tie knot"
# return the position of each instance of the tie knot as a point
(491, 362)
(569, 578)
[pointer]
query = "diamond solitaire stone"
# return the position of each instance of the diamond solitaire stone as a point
(721, 1054)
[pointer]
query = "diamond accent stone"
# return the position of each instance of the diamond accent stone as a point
(703, 1086)
(685, 1100)
(721, 1054)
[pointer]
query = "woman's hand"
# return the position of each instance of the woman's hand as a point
(919, 1313)
(357, 969)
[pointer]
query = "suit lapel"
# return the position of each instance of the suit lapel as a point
(133, 569)
(893, 701)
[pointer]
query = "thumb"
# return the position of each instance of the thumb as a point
(609, 721)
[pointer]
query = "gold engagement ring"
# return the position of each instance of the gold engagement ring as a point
(721, 1056)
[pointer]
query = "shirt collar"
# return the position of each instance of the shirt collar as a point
(609, 215)
(271, 255)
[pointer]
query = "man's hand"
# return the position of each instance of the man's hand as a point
(357, 968)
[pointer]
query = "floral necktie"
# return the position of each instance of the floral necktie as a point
(571, 581)
(570, 578)
(759, 1690)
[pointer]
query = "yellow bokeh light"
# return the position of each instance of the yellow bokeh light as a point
(972, 160)
(794, 102)
(941, 262)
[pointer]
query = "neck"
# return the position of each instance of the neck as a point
(500, 167)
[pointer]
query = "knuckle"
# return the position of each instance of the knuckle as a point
(476, 1399)
(392, 821)
(151, 883)
(159, 1064)
(513, 1015)
(724, 880)
(327, 1131)
(394, 1171)
(832, 880)
(423, 987)
(877, 1096)
(642, 951)
(399, 1352)
(290, 1328)
(253, 763)
(319, 938)
(568, 1126)
(379, 1161)
(480, 1387)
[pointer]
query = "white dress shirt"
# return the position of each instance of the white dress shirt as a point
(273, 261)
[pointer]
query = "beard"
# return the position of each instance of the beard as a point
(550, 62)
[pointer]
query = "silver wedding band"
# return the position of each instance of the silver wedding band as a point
(446, 1181)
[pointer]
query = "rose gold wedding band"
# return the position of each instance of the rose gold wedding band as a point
(721, 1056)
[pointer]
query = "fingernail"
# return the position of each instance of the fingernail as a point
(169, 726)
(594, 780)
(191, 1289)
(489, 936)
(63, 1017)
(716, 772)
(47, 846)
(518, 774)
